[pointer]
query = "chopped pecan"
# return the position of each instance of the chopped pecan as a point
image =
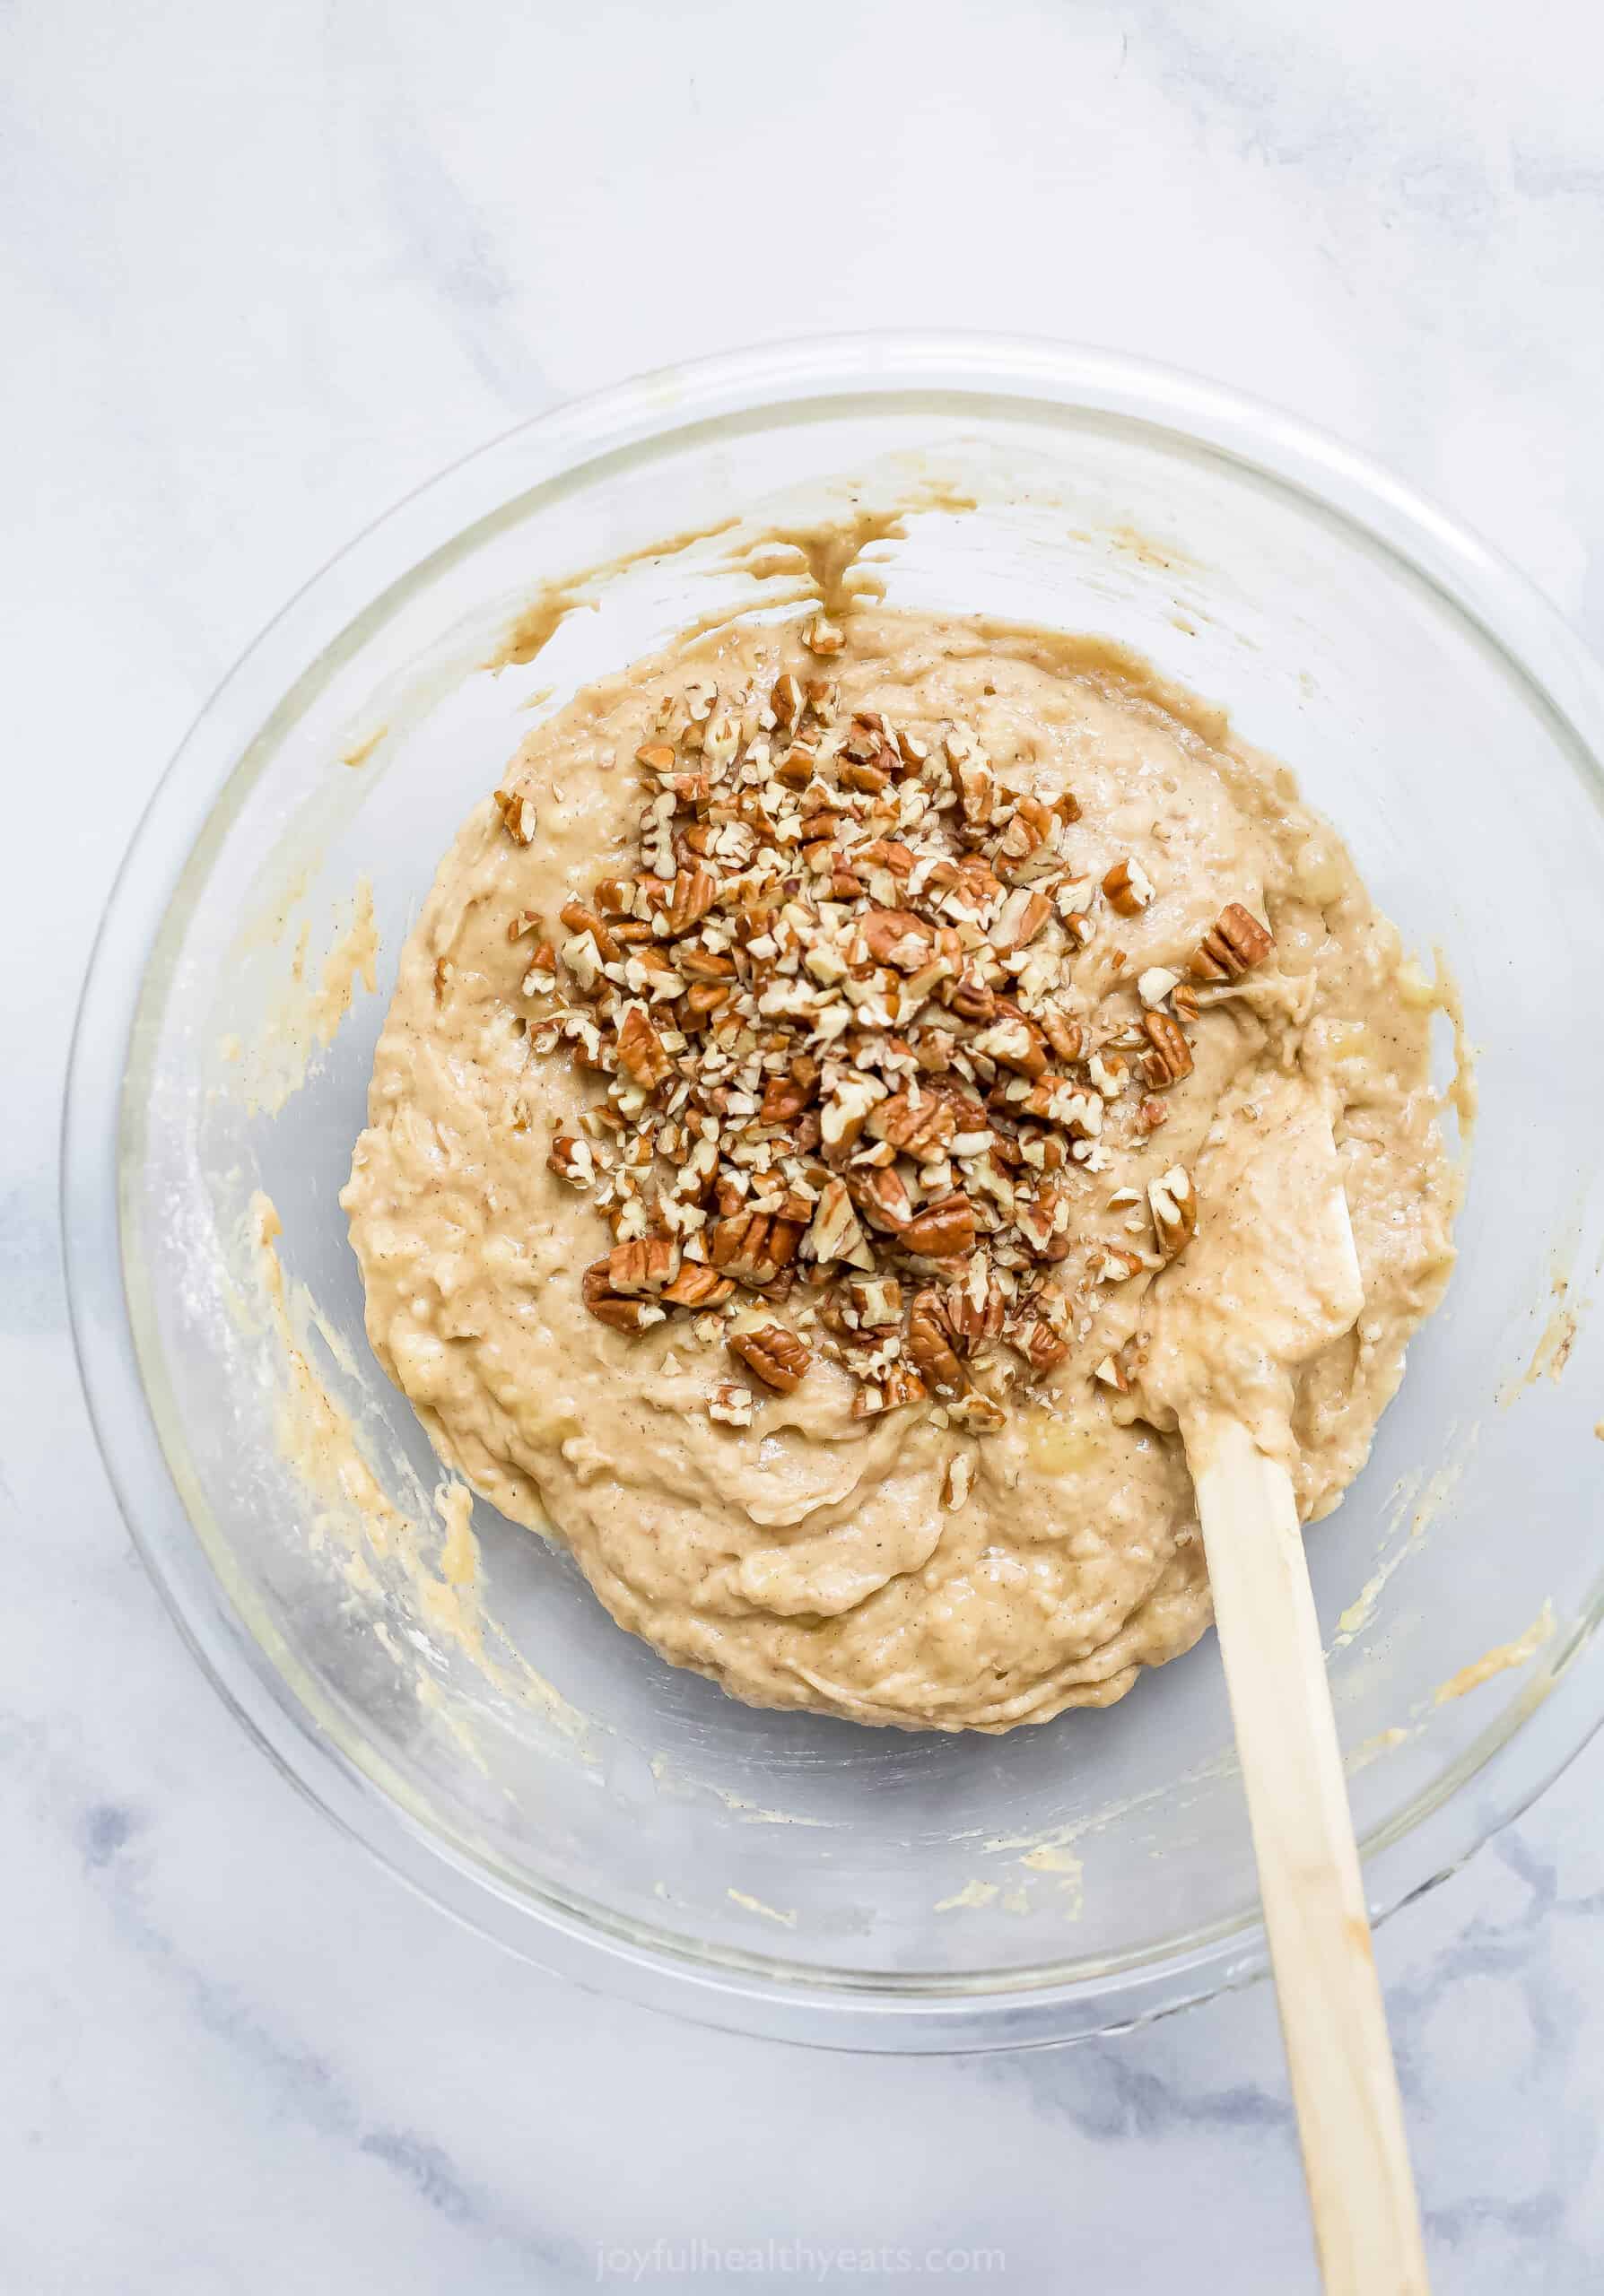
(1043, 1347)
(846, 1109)
(958, 1480)
(730, 1406)
(657, 757)
(699, 964)
(1127, 887)
(774, 1355)
(697, 1285)
(1020, 920)
(1150, 1114)
(896, 937)
(754, 1247)
(609, 1307)
(897, 1385)
(1028, 839)
(978, 1414)
(581, 920)
(877, 1300)
(785, 1097)
(918, 1123)
(694, 892)
(942, 1230)
(1234, 945)
(1064, 1036)
(975, 1307)
(640, 1051)
(870, 779)
(1171, 1058)
(703, 998)
(1173, 1202)
(1014, 1043)
(572, 1160)
(834, 1233)
(930, 1345)
(1044, 1220)
(969, 998)
(883, 1199)
(649, 1265)
(517, 815)
(785, 698)
(890, 855)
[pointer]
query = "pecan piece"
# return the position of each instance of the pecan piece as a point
(581, 920)
(785, 1097)
(657, 757)
(1115, 1264)
(1043, 1222)
(1024, 846)
(699, 964)
(609, 1307)
(943, 1229)
(1172, 1201)
(897, 1385)
(643, 1267)
(697, 1285)
(883, 1199)
(878, 1302)
(1044, 1348)
(1150, 1115)
(517, 815)
(694, 894)
(640, 1052)
(1064, 1036)
(730, 1406)
(969, 997)
(1019, 921)
(835, 1233)
(975, 1307)
(857, 773)
(753, 1247)
(1013, 1043)
(774, 1355)
(1235, 944)
(930, 1345)
(918, 1123)
(978, 1414)
(1127, 887)
(895, 936)
(1171, 1058)
(703, 999)
(572, 1160)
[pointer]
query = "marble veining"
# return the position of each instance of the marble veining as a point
(264, 270)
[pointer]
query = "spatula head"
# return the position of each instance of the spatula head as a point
(1271, 1276)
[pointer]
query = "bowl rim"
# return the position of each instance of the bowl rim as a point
(1562, 1701)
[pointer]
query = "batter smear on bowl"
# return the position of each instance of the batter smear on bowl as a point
(802, 1087)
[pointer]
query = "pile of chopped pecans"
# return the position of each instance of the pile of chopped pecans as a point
(844, 1072)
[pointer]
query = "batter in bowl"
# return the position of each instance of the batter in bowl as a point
(801, 1087)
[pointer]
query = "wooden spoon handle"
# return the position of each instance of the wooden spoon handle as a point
(1344, 2084)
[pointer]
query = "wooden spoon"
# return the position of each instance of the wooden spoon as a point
(1270, 1278)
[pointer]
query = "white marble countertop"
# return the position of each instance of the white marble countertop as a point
(267, 268)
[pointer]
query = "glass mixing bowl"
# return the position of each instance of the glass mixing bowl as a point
(490, 1734)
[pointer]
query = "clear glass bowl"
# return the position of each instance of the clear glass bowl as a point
(635, 1828)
